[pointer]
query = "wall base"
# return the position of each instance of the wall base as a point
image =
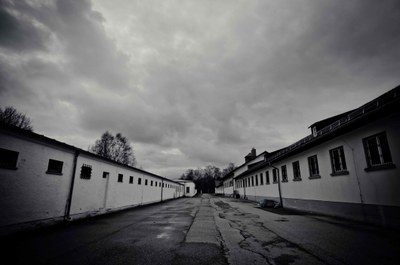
(387, 216)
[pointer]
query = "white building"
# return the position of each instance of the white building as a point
(189, 187)
(45, 181)
(347, 167)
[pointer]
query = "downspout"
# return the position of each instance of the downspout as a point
(279, 185)
(244, 188)
(358, 181)
(71, 190)
(162, 188)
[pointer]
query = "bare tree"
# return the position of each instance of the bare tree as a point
(10, 115)
(116, 148)
(205, 178)
(228, 169)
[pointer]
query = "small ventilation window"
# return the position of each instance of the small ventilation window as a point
(86, 171)
(54, 167)
(8, 159)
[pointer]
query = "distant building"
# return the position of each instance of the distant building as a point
(45, 181)
(189, 187)
(347, 167)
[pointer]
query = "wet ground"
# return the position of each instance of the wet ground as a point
(207, 230)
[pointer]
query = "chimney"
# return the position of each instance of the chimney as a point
(253, 153)
(250, 156)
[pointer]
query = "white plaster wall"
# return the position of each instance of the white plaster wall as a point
(228, 190)
(91, 195)
(169, 191)
(192, 189)
(327, 188)
(383, 186)
(265, 190)
(377, 187)
(29, 193)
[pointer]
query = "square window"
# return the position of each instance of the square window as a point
(54, 167)
(313, 167)
(284, 173)
(120, 178)
(130, 180)
(105, 174)
(296, 171)
(86, 171)
(377, 152)
(338, 161)
(8, 159)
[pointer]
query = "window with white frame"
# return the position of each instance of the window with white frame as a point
(267, 177)
(275, 173)
(296, 171)
(377, 151)
(261, 179)
(338, 161)
(313, 166)
(284, 173)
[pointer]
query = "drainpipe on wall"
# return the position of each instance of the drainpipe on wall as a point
(279, 185)
(244, 188)
(71, 190)
(162, 188)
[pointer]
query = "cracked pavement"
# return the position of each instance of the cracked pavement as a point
(251, 235)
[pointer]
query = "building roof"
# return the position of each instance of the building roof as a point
(381, 106)
(322, 123)
(15, 131)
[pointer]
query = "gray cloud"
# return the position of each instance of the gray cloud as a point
(195, 82)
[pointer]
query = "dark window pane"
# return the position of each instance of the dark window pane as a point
(372, 146)
(343, 159)
(8, 159)
(385, 149)
(55, 166)
(86, 171)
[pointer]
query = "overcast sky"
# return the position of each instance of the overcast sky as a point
(193, 83)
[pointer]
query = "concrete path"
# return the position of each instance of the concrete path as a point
(208, 230)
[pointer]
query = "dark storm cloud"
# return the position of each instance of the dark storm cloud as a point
(193, 83)
(17, 32)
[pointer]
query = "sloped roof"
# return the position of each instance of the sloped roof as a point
(383, 105)
(15, 131)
